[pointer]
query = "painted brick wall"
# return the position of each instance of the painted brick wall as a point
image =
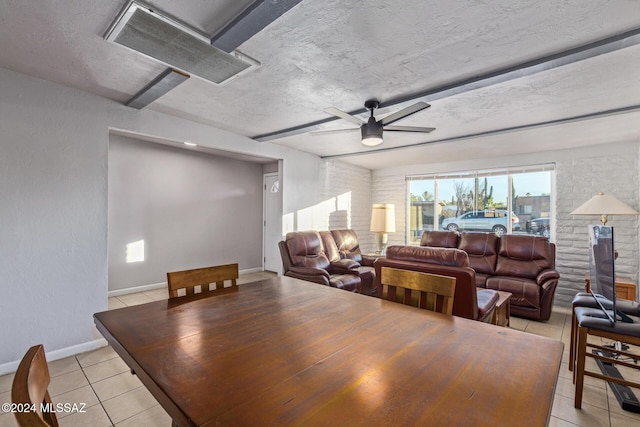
(345, 194)
(577, 181)
(393, 189)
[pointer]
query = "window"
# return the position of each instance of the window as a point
(481, 201)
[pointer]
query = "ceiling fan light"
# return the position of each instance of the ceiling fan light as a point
(371, 133)
(372, 141)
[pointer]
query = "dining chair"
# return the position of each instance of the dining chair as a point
(594, 322)
(423, 290)
(30, 388)
(201, 278)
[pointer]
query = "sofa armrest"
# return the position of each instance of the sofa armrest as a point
(344, 266)
(315, 275)
(368, 260)
(547, 275)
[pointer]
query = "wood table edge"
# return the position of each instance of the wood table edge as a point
(165, 402)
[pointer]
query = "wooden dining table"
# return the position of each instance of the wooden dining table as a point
(283, 351)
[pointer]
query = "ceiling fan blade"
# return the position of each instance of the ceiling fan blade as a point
(330, 131)
(339, 113)
(408, 129)
(412, 109)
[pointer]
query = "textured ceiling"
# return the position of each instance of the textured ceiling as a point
(339, 53)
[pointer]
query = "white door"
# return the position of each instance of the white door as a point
(272, 231)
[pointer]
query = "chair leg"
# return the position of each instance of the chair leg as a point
(572, 344)
(581, 348)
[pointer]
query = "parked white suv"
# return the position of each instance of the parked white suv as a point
(489, 220)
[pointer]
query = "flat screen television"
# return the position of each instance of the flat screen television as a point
(602, 269)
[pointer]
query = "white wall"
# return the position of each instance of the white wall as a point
(53, 209)
(190, 209)
(346, 200)
(580, 174)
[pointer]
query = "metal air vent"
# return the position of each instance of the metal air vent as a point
(145, 30)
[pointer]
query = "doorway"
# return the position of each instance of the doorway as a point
(272, 223)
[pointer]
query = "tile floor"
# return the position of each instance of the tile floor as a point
(114, 397)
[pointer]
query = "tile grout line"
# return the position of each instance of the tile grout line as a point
(94, 392)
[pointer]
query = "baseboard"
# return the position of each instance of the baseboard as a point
(152, 286)
(10, 367)
(136, 289)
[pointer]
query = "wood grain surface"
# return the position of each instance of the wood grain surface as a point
(288, 352)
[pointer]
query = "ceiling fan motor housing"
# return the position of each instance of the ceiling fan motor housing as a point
(371, 132)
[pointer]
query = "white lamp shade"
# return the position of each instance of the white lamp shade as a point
(604, 204)
(383, 218)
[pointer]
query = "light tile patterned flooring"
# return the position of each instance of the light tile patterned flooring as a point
(114, 397)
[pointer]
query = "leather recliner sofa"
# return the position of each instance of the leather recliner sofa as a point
(333, 261)
(520, 264)
(469, 301)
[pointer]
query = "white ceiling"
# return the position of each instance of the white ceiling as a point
(340, 53)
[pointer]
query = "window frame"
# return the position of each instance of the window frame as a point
(510, 172)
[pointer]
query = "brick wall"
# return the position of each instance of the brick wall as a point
(345, 194)
(577, 180)
(393, 189)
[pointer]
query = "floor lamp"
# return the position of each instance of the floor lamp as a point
(383, 221)
(604, 205)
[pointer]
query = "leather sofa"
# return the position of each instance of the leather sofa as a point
(331, 258)
(469, 301)
(520, 264)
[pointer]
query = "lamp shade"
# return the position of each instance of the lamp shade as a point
(604, 205)
(383, 218)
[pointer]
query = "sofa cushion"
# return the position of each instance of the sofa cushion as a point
(524, 292)
(348, 282)
(481, 279)
(346, 241)
(523, 256)
(440, 239)
(305, 249)
(439, 256)
(482, 249)
(329, 246)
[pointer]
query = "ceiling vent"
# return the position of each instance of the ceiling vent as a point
(165, 39)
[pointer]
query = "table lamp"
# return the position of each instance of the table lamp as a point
(604, 205)
(383, 221)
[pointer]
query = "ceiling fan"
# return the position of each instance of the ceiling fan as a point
(371, 130)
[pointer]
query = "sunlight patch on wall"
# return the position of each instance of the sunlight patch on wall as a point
(332, 213)
(134, 251)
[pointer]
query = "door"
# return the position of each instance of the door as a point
(272, 230)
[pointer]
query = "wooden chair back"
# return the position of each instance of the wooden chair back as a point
(202, 278)
(30, 388)
(423, 290)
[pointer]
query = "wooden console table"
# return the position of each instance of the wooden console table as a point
(625, 287)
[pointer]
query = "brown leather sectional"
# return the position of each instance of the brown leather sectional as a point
(331, 258)
(481, 262)
(468, 301)
(520, 264)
